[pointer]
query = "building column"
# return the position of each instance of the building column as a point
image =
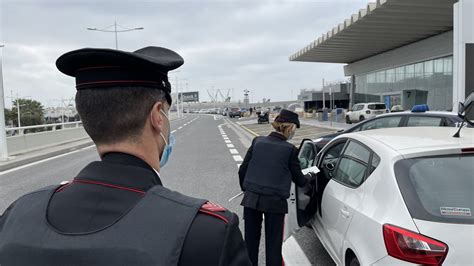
(352, 91)
(463, 51)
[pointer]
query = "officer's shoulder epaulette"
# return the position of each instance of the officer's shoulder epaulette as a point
(216, 210)
(62, 186)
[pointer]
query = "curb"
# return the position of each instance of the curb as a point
(323, 126)
(40, 157)
(249, 130)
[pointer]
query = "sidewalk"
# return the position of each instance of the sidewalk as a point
(324, 124)
(16, 160)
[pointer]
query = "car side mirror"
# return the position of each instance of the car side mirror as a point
(466, 112)
(469, 113)
(466, 109)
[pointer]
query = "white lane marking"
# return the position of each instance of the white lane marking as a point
(224, 135)
(228, 141)
(233, 151)
(226, 138)
(172, 132)
(237, 158)
(238, 165)
(180, 128)
(230, 146)
(44, 160)
(293, 254)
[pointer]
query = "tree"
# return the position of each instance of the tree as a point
(31, 113)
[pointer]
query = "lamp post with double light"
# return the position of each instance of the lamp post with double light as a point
(116, 31)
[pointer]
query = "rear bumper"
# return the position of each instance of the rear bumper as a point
(387, 260)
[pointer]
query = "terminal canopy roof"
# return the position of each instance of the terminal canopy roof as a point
(382, 26)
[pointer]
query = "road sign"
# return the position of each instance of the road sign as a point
(192, 96)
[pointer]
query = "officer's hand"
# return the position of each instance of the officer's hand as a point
(312, 176)
(308, 189)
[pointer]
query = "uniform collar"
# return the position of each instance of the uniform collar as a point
(121, 169)
(277, 135)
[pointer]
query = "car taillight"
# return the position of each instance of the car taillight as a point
(367, 112)
(412, 247)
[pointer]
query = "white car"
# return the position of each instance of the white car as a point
(391, 196)
(362, 111)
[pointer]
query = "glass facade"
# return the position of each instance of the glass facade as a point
(431, 82)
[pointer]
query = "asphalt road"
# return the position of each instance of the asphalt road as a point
(203, 164)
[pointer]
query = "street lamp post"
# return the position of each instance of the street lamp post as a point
(3, 135)
(116, 31)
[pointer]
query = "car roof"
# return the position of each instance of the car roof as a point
(369, 103)
(411, 139)
(427, 113)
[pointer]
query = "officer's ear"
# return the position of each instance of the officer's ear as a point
(157, 120)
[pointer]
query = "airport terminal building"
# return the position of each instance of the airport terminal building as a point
(403, 52)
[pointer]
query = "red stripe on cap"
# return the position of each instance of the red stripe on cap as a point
(108, 185)
(118, 81)
(97, 67)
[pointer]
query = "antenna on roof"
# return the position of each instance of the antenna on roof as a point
(466, 112)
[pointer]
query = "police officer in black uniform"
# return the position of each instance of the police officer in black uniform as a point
(116, 211)
(271, 163)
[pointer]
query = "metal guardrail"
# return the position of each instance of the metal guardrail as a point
(47, 127)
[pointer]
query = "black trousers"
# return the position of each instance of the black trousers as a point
(274, 223)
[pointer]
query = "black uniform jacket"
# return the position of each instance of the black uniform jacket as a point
(100, 194)
(272, 204)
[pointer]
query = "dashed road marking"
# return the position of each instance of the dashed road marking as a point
(184, 125)
(232, 149)
(238, 158)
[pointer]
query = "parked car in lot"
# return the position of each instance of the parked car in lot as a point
(363, 111)
(391, 196)
(233, 112)
(399, 119)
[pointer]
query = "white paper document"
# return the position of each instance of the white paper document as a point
(312, 169)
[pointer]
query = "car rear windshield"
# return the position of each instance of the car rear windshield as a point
(438, 189)
(235, 109)
(377, 106)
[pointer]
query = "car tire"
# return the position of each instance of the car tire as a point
(354, 262)
(348, 120)
(361, 118)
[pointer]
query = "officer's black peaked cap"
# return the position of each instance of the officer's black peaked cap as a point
(287, 116)
(96, 68)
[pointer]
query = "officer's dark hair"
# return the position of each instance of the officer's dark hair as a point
(114, 114)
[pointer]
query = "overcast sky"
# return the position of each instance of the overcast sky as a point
(225, 44)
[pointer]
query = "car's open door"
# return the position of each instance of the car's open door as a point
(301, 207)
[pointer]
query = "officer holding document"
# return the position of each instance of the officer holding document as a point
(265, 176)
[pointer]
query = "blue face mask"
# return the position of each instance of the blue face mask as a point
(169, 144)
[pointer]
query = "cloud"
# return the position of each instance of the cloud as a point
(226, 44)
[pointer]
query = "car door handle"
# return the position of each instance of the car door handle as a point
(345, 213)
